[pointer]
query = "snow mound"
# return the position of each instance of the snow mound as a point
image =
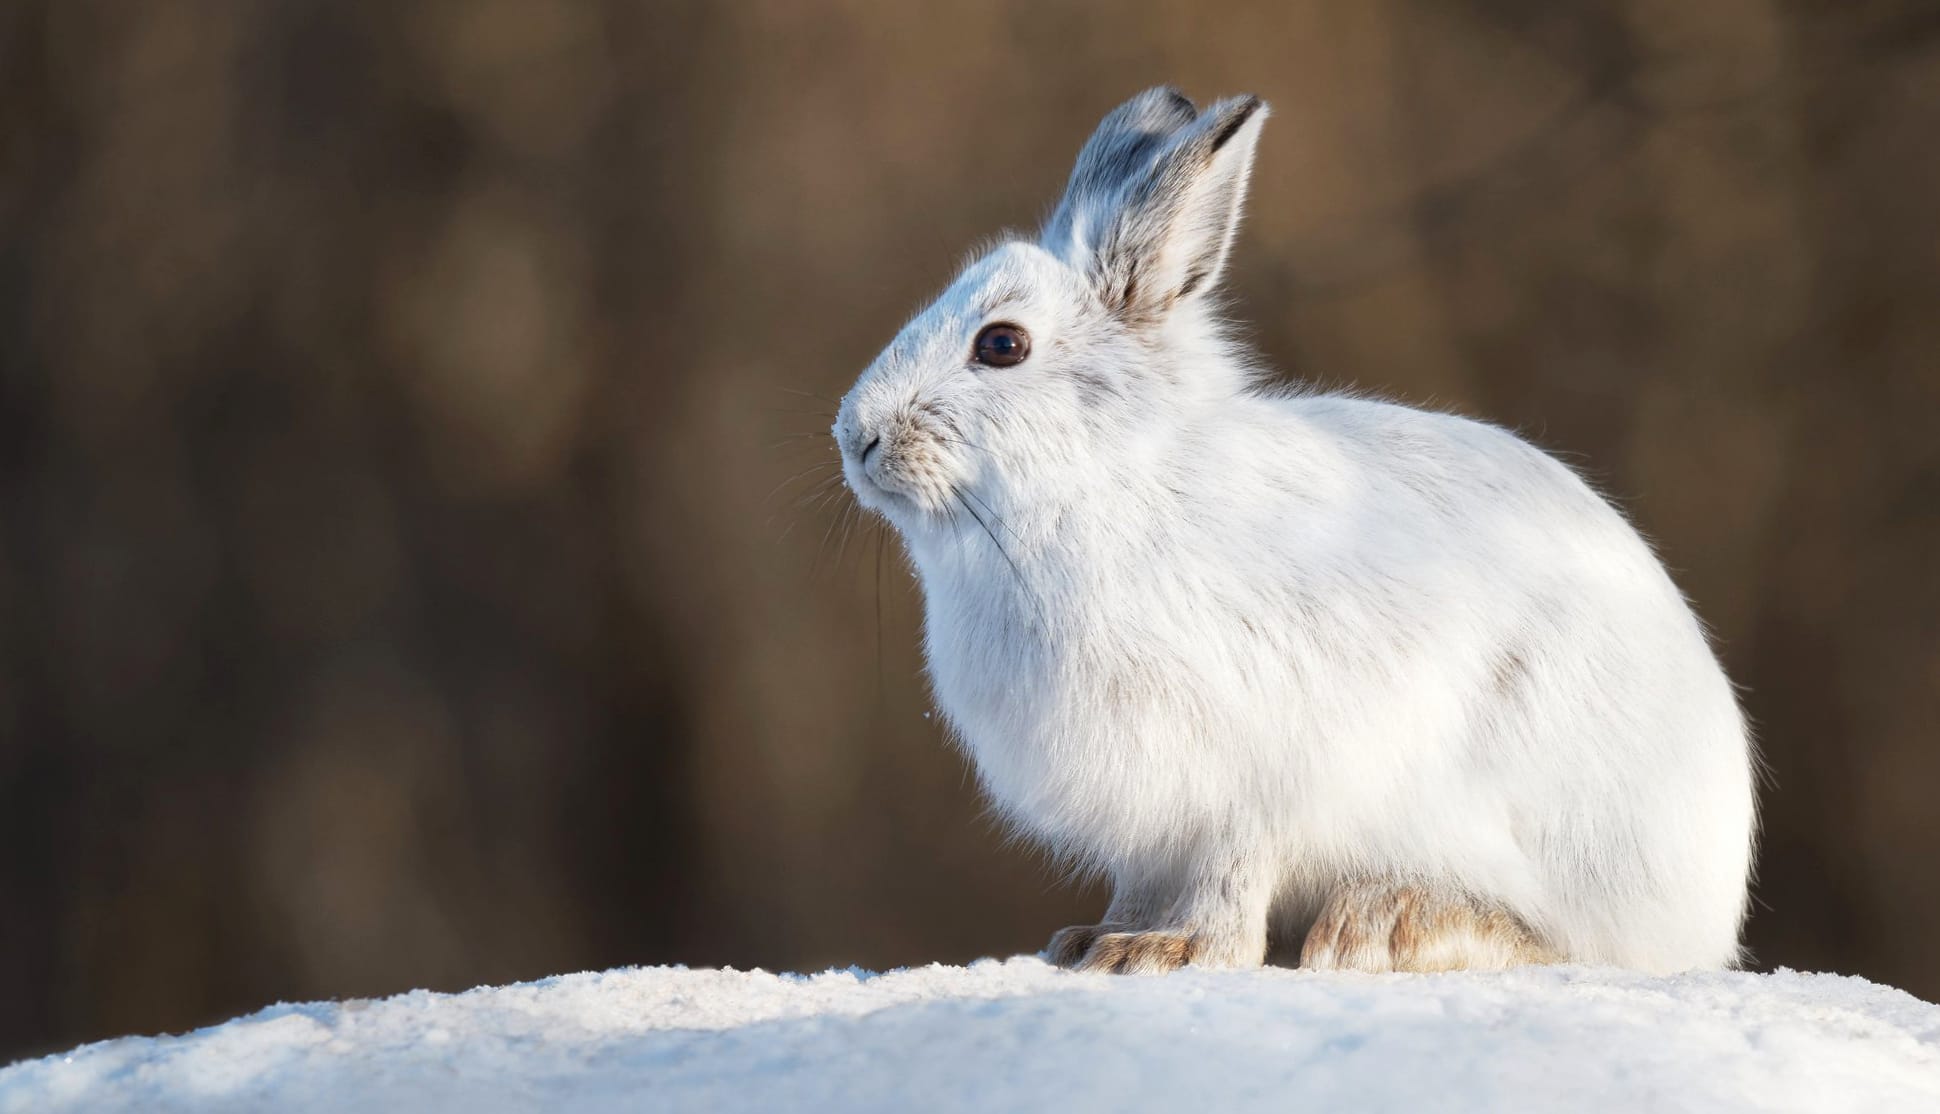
(1020, 1035)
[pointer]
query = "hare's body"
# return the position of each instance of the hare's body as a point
(1364, 640)
(1257, 656)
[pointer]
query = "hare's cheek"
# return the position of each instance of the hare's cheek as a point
(929, 475)
(895, 463)
(913, 469)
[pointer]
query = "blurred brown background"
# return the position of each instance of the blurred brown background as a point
(391, 397)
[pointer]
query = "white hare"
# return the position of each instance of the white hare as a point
(1392, 686)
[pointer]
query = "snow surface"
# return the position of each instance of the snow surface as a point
(1020, 1035)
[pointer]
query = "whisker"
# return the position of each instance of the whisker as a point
(823, 493)
(968, 444)
(811, 469)
(848, 518)
(858, 528)
(1023, 586)
(810, 394)
(789, 438)
(882, 539)
(834, 521)
(995, 516)
(828, 488)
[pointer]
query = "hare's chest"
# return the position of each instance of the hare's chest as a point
(1052, 724)
(991, 672)
(1012, 667)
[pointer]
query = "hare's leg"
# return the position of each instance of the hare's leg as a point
(1137, 902)
(1375, 926)
(1219, 920)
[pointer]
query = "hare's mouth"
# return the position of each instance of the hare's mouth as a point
(903, 472)
(879, 493)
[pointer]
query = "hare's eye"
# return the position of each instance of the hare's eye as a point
(1002, 345)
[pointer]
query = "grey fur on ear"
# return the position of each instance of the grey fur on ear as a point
(1162, 232)
(1118, 153)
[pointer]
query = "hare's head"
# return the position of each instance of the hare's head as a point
(1051, 361)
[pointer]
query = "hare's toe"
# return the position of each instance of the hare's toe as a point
(1069, 945)
(1139, 953)
(1373, 927)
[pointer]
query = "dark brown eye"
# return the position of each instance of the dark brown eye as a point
(1002, 345)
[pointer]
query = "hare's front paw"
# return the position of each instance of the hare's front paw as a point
(1139, 953)
(1069, 945)
(1375, 927)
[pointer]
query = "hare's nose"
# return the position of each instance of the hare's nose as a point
(853, 437)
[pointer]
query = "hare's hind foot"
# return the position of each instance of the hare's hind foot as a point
(1378, 927)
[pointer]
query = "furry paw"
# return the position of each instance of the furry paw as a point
(1377, 928)
(1138, 953)
(1069, 945)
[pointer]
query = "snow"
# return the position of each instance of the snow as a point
(1020, 1035)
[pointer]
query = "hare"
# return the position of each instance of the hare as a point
(1393, 686)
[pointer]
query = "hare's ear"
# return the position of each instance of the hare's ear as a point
(1116, 156)
(1165, 235)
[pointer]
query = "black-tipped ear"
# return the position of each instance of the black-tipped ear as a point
(1117, 155)
(1167, 234)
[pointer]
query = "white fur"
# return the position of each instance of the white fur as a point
(1236, 647)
